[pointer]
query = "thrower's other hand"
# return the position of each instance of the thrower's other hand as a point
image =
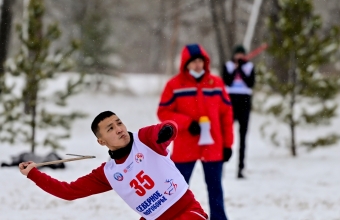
(25, 167)
(165, 134)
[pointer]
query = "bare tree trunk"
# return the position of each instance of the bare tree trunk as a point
(156, 56)
(174, 37)
(232, 30)
(31, 95)
(292, 78)
(5, 30)
(33, 116)
(218, 14)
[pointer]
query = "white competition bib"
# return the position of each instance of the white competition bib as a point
(239, 86)
(147, 181)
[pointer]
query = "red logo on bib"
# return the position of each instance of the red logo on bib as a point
(139, 157)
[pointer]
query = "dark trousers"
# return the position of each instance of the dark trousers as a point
(213, 179)
(241, 110)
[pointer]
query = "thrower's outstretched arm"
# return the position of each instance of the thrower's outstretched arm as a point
(90, 184)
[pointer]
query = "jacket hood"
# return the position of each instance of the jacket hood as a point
(191, 51)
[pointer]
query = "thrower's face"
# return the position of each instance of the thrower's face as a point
(112, 133)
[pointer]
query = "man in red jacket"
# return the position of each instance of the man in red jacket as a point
(140, 171)
(197, 101)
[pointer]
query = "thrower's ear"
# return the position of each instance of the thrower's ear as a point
(101, 142)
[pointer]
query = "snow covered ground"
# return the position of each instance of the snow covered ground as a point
(277, 186)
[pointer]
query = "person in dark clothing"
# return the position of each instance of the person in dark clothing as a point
(239, 77)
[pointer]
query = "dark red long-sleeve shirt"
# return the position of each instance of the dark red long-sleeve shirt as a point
(96, 182)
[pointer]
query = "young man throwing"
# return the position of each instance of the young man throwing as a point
(140, 171)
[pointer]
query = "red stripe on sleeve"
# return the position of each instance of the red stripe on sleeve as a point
(90, 184)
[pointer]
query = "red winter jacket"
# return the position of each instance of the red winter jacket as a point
(184, 100)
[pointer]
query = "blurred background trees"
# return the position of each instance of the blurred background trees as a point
(146, 37)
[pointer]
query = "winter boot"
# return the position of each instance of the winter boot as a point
(240, 174)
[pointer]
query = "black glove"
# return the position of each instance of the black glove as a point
(165, 134)
(194, 128)
(241, 62)
(227, 152)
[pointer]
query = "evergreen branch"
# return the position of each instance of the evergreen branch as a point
(322, 141)
(320, 117)
(58, 120)
(273, 139)
(73, 88)
(52, 143)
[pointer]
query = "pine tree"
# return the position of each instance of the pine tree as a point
(24, 108)
(304, 96)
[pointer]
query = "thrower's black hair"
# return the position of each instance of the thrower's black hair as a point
(98, 119)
